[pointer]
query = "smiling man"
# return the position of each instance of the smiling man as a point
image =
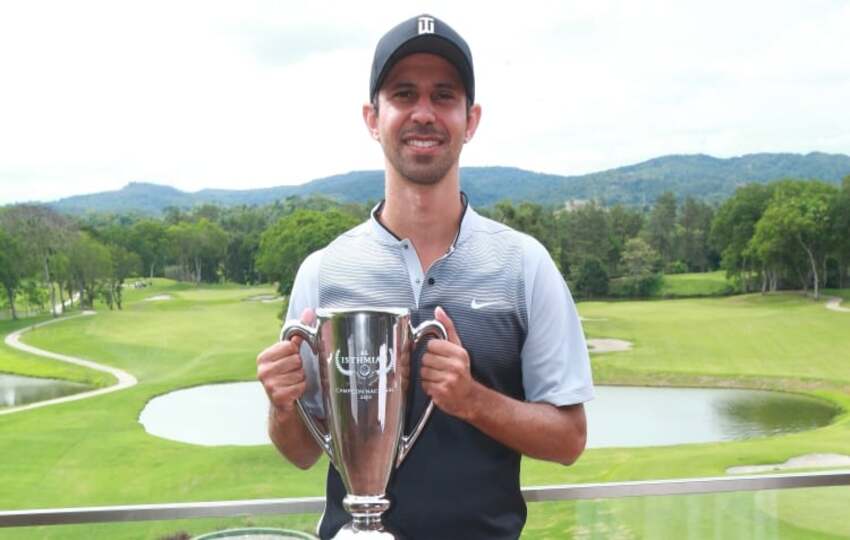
(510, 379)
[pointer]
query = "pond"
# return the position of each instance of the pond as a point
(235, 414)
(17, 390)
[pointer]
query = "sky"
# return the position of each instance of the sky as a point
(250, 94)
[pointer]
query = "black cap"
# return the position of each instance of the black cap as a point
(422, 34)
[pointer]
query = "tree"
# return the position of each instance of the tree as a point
(530, 218)
(639, 258)
(661, 227)
(90, 265)
(734, 225)
(34, 295)
(799, 215)
(45, 232)
(198, 247)
(285, 245)
(591, 279)
(149, 239)
(14, 266)
(641, 264)
(239, 261)
(244, 226)
(207, 211)
(625, 223)
(124, 264)
(692, 232)
(60, 270)
(840, 217)
(586, 235)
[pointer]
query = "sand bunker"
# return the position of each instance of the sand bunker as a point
(600, 345)
(158, 298)
(265, 298)
(834, 303)
(807, 461)
(260, 298)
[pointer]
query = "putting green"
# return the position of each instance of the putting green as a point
(94, 452)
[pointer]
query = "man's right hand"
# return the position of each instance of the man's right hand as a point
(281, 372)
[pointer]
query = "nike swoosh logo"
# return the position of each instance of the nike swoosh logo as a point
(478, 305)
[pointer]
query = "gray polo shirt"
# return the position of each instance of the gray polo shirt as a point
(500, 287)
(517, 321)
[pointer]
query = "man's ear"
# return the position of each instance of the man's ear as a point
(370, 118)
(473, 118)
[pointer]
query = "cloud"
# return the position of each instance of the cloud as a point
(217, 94)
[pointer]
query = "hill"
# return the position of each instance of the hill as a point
(705, 177)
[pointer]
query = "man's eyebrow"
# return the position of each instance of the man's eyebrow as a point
(443, 85)
(401, 84)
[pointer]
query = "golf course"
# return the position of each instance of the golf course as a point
(171, 335)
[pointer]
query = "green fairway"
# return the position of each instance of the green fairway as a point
(19, 363)
(695, 284)
(94, 451)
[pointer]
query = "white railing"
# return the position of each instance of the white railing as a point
(306, 505)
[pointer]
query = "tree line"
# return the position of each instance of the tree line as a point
(786, 234)
(53, 259)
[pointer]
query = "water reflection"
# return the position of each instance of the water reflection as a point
(235, 413)
(771, 414)
(642, 416)
(16, 390)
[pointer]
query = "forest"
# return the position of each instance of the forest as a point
(787, 234)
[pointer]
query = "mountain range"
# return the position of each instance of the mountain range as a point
(701, 176)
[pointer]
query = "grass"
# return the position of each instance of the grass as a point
(94, 452)
(696, 285)
(19, 363)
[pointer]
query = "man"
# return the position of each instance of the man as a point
(510, 379)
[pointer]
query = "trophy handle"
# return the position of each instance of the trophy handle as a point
(310, 335)
(427, 328)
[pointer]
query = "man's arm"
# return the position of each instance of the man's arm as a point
(538, 430)
(280, 370)
(290, 436)
(284, 378)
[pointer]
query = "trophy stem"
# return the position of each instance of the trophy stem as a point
(366, 517)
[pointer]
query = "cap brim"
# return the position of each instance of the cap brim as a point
(432, 44)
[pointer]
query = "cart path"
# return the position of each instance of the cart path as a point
(834, 303)
(125, 380)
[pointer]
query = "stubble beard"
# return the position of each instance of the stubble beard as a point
(422, 170)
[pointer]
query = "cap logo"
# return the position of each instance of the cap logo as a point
(426, 25)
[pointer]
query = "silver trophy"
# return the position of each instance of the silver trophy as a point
(364, 376)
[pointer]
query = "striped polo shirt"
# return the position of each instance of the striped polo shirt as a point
(518, 322)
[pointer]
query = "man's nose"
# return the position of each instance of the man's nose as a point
(423, 111)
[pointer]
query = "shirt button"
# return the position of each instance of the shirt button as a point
(418, 281)
(405, 246)
(431, 281)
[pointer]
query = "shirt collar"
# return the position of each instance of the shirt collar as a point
(385, 235)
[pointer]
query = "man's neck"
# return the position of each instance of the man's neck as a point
(428, 215)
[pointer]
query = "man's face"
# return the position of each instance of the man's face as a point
(422, 119)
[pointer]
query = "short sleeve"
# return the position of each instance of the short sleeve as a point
(305, 294)
(555, 361)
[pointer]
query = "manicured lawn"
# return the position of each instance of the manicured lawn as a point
(19, 363)
(696, 284)
(94, 452)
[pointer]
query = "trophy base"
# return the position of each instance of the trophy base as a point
(366, 525)
(349, 532)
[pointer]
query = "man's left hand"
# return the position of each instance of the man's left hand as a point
(446, 374)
